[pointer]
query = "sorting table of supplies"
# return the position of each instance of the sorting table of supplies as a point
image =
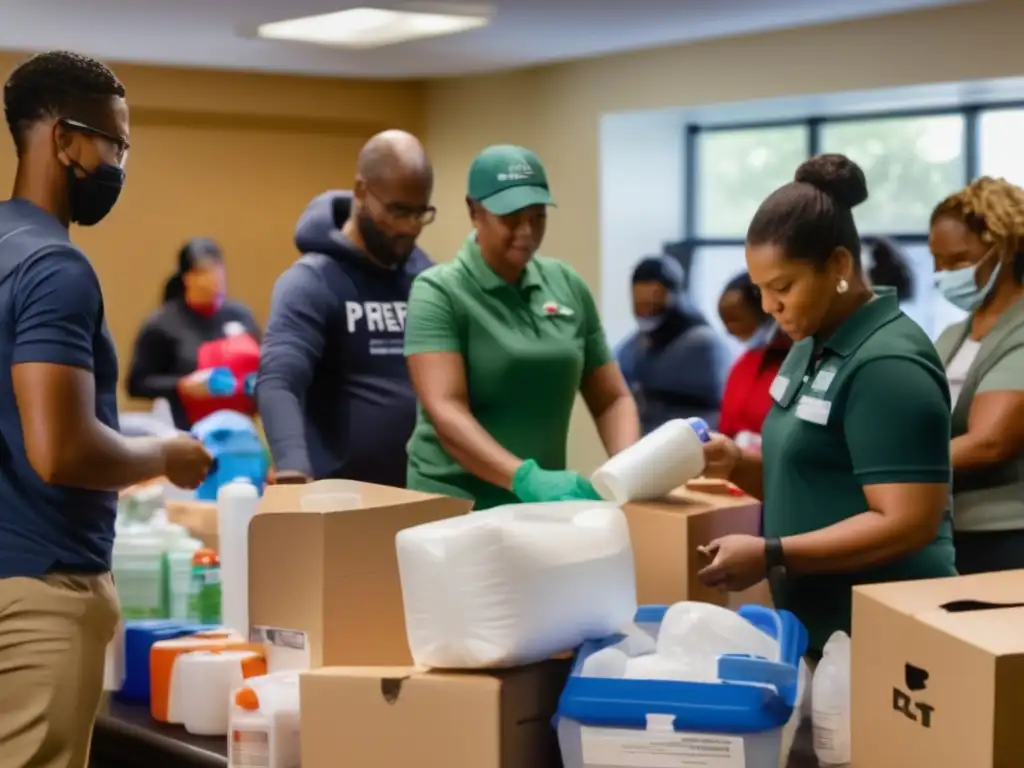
(126, 736)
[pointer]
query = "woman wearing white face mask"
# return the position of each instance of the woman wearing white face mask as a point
(977, 239)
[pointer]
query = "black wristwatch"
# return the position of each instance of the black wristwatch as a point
(774, 557)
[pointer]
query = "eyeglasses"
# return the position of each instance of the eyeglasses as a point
(121, 144)
(402, 212)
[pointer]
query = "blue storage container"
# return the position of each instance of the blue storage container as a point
(139, 637)
(231, 437)
(737, 723)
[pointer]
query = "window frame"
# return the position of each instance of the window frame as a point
(692, 242)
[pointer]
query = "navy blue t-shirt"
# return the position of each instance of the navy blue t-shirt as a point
(51, 311)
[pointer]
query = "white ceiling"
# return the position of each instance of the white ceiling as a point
(211, 33)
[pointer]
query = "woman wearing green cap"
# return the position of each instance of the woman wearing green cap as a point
(499, 341)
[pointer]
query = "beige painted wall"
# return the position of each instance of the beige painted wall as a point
(555, 110)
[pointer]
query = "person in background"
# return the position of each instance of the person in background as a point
(977, 239)
(499, 341)
(675, 364)
(747, 400)
(890, 267)
(854, 470)
(63, 459)
(200, 351)
(739, 308)
(333, 389)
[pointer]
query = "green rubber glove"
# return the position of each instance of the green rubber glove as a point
(533, 484)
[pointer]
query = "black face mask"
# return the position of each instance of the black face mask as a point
(378, 243)
(92, 197)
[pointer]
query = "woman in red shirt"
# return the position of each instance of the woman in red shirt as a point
(747, 400)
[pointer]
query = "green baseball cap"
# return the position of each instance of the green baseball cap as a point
(505, 179)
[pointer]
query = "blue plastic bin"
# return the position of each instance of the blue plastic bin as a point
(139, 637)
(612, 723)
(233, 441)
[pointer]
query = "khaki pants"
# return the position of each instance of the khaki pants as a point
(53, 638)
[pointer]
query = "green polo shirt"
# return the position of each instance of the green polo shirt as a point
(526, 350)
(870, 405)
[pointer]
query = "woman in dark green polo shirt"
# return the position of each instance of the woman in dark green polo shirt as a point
(854, 471)
(499, 341)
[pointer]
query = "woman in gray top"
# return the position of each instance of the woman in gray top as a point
(977, 239)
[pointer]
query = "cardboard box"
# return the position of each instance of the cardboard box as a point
(666, 535)
(407, 717)
(938, 673)
(199, 517)
(323, 584)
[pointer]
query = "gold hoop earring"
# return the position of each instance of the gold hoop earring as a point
(843, 286)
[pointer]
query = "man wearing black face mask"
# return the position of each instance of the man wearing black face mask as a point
(62, 459)
(333, 389)
(676, 365)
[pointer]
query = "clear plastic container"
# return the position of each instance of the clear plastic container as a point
(179, 576)
(138, 570)
(641, 723)
(830, 703)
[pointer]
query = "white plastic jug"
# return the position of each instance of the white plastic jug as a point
(264, 723)
(830, 702)
(664, 460)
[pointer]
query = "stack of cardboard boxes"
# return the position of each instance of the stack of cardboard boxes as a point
(324, 594)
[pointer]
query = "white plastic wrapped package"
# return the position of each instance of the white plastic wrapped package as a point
(516, 584)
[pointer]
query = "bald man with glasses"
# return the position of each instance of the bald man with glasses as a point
(333, 389)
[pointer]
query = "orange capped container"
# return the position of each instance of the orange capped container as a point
(164, 655)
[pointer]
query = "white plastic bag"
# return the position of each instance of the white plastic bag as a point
(830, 702)
(701, 630)
(514, 585)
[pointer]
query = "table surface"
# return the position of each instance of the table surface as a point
(133, 723)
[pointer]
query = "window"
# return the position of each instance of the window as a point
(911, 163)
(711, 268)
(999, 144)
(737, 169)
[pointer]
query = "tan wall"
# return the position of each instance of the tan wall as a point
(233, 156)
(555, 110)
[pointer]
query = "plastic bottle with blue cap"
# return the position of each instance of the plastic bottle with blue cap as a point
(665, 459)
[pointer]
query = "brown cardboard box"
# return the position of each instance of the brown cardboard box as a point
(369, 717)
(666, 534)
(199, 517)
(936, 681)
(323, 585)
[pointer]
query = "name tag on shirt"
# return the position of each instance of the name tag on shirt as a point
(823, 380)
(778, 388)
(813, 409)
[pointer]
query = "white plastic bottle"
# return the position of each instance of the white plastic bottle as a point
(236, 504)
(263, 731)
(830, 701)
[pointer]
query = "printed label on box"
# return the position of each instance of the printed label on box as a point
(651, 749)
(287, 649)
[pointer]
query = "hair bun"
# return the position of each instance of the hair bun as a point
(837, 176)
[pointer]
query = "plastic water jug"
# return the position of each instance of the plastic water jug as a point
(233, 441)
(264, 723)
(830, 702)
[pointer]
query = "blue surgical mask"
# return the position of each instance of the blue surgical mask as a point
(960, 287)
(650, 324)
